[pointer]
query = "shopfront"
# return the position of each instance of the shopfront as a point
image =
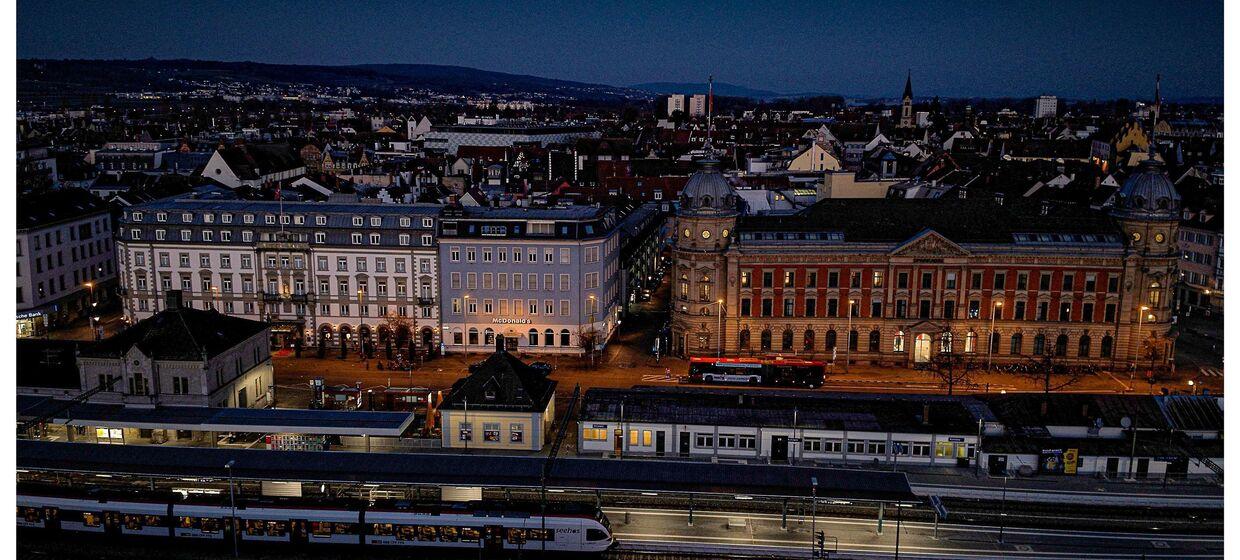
(31, 324)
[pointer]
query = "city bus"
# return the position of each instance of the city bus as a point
(758, 371)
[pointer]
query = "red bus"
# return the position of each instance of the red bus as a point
(758, 371)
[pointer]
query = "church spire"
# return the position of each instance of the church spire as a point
(908, 86)
(710, 108)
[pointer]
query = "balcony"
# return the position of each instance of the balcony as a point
(426, 301)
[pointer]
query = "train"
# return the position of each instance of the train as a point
(491, 526)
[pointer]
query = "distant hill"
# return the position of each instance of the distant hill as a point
(722, 89)
(94, 76)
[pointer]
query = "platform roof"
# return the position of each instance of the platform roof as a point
(456, 469)
(259, 420)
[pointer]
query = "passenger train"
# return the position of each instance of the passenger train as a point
(385, 523)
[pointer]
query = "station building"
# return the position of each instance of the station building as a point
(503, 404)
(895, 282)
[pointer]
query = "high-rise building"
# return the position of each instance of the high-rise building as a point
(675, 102)
(697, 105)
(1047, 107)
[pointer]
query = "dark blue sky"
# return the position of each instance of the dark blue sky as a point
(1075, 49)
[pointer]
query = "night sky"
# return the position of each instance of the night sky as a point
(1074, 49)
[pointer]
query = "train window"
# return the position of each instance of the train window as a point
(541, 534)
(427, 533)
(470, 534)
(91, 519)
(516, 536)
(137, 521)
(407, 532)
(260, 528)
(30, 514)
(383, 529)
(328, 528)
(595, 535)
(449, 534)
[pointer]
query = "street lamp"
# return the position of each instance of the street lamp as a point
(1192, 385)
(849, 335)
(990, 338)
(1140, 323)
(719, 331)
(232, 498)
(813, 516)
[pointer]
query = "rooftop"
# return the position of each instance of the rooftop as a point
(502, 382)
(53, 207)
(182, 334)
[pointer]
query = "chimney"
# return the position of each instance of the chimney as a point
(1085, 410)
(925, 413)
(173, 299)
(1044, 406)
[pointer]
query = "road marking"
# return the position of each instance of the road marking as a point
(1118, 380)
(1211, 371)
(654, 377)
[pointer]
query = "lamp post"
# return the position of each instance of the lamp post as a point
(361, 342)
(849, 337)
(1193, 386)
(1140, 323)
(990, 338)
(719, 330)
(94, 321)
(813, 516)
(593, 331)
(232, 499)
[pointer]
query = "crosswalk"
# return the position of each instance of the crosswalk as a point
(659, 378)
(1211, 371)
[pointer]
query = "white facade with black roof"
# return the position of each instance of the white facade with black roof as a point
(64, 243)
(319, 272)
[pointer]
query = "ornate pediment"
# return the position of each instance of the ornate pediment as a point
(929, 243)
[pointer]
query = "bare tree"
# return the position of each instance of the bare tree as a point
(1049, 371)
(393, 323)
(952, 369)
(587, 340)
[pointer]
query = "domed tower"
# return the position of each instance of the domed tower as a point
(704, 225)
(1147, 208)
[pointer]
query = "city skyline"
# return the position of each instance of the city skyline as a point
(862, 51)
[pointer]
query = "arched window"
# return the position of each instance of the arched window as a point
(852, 340)
(1155, 296)
(488, 337)
(875, 340)
(897, 344)
(1082, 348)
(457, 337)
(1108, 345)
(549, 337)
(831, 340)
(1039, 344)
(809, 340)
(787, 339)
(766, 340)
(744, 339)
(473, 336)
(970, 342)
(565, 338)
(994, 343)
(945, 343)
(533, 337)
(1061, 345)
(1017, 341)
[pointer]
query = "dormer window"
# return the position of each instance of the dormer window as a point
(489, 394)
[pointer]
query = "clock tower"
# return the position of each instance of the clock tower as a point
(704, 225)
(1147, 209)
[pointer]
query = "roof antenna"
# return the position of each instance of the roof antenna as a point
(710, 108)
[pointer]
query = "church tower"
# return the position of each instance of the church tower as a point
(906, 105)
(1147, 209)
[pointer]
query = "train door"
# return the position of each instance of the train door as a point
(51, 518)
(684, 444)
(997, 465)
(1112, 467)
(660, 442)
(779, 449)
(297, 531)
(112, 523)
(1143, 467)
(618, 447)
(493, 538)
